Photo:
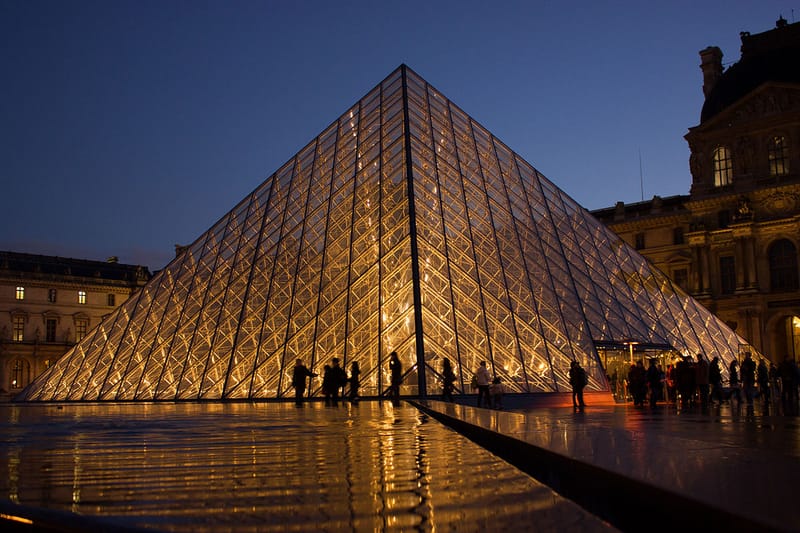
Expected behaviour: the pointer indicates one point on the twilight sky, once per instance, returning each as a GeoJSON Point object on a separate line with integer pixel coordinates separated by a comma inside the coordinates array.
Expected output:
{"type": "Point", "coordinates": [127, 127]}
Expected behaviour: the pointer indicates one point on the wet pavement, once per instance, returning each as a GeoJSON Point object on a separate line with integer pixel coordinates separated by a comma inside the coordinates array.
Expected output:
{"type": "Point", "coordinates": [263, 467]}
{"type": "Point", "coordinates": [721, 466]}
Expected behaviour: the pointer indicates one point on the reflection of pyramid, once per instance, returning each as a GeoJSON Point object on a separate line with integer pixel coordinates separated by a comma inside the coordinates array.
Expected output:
{"type": "Point", "coordinates": [404, 226]}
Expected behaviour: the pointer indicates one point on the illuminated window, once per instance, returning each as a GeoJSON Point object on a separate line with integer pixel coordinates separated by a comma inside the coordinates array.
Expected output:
{"type": "Point", "coordinates": [727, 275]}
{"type": "Point", "coordinates": [81, 326]}
{"type": "Point", "coordinates": [50, 330]}
{"type": "Point", "coordinates": [778, 154]}
{"type": "Point", "coordinates": [783, 266]}
{"type": "Point", "coordinates": [51, 296]}
{"type": "Point", "coordinates": [723, 167]}
{"type": "Point", "coordinates": [18, 328]}
{"type": "Point", "coordinates": [19, 374]}
{"type": "Point", "coordinates": [81, 297]}
{"type": "Point", "coordinates": [112, 301]}
{"type": "Point", "coordinates": [20, 293]}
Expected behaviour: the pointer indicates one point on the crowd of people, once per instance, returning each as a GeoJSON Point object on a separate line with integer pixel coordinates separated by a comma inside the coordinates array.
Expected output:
{"type": "Point", "coordinates": [696, 381]}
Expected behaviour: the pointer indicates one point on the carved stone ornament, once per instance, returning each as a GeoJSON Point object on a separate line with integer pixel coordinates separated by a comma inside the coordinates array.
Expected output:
{"type": "Point", "coordinates": [781, 203]}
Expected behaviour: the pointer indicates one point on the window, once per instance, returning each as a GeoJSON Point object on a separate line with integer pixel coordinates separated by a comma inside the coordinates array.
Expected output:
{"type": "Point", "coordinates": [81, 326]}
{"type": "Point", "coordinates": [783, 266]}
{"type": "Point", "coordinates": [677, 235]}
{"type": "Point", "coordinates": [19, 373]}
{"type": "Point", "coordinates": [727, 275]}
{"type": "Point", "coordinates": [723, 167]}
{"type": "Point", "coordinates": [639, 241]}
{"type": "Point", "coordinates": [681, 277]}
{"type": "Point", "coordinates": [51, 296]}
{"type": "Point", "coordinates": [111, 300]}
{"type": "Point", "coordinates": [50, 330]}
{"type": "Point", "coordinates": [20, 293]}
{"type": "Point", "coordinates": [18, 328]}
{"type": "Point", "coordinates": [778, 155]}
{"type": "Point", "coordinates": [81, 297]}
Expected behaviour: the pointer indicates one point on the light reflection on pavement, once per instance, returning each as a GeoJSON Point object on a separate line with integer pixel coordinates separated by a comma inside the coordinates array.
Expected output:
{"type": "Point", "coordinates": [268, 467]}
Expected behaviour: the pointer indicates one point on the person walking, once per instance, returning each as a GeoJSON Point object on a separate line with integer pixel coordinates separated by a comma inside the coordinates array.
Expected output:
{"type": "Point", "coordinates": [299, 375]}
{"type": "Point", "coordinates": [577, 380]}
{"type": "Point", "coordinates": [482, 379]}
{"type": "Point", "coordinates": [355, 381]}
{"type": "Point", "coordinates": [396, 373]}
{"type": "Point", "coordinates": [448, 380]}
{"type": "Point", "coordinates": [763, 380]}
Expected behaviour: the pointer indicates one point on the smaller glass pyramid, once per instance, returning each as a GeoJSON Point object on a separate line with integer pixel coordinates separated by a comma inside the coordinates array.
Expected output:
{"type": "Point", "coordinates": [404, 226]}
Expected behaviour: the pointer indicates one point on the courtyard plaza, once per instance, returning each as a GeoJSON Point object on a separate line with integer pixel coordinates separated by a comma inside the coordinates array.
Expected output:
{"type": "Point", "coordinates": [419, 465]}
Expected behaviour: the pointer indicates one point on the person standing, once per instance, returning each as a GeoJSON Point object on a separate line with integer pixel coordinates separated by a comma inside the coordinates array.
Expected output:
{"type": "Point", "coordinates": [338, 380]}
{"type": "Point", "coordinates": [299, 376]}
{"type": "Point", "coordinates": [748, 371]}
{"type": "Point", "coordinates": [482, 379]}
{"type": "Point", "coordinates": [577, 380]}
{"type": "Point", "coordinates": [396, 373]}
{"type": "Point", "coordinates": [355, 381]}
{"type": "Point", "coordinates": [448, 380]}
{"type": "Point", "coordinates": [702, 378]}
{"type": "Point", "coordinates": [653, 376]}
{"type": "Point", "coordinates": [733, 381]}
{"type": "Point", "coordinates": [763, 380]}
{"type": "Point", "coordinates": [715, 379]}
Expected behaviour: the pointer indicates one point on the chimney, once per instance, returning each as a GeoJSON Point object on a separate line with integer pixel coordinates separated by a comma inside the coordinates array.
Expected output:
{"type": "Point", "coordinates": [711, 65]}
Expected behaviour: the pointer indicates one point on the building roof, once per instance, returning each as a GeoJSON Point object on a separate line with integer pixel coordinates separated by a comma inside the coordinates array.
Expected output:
{"type": "Point", "coordinates": [47, 266]}
{"type": "Point", "coordinates": [771, 56]}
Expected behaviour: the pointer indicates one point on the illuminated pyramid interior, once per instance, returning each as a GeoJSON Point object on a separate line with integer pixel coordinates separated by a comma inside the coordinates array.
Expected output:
{"type": "Point", "coordinates": [403, 226]}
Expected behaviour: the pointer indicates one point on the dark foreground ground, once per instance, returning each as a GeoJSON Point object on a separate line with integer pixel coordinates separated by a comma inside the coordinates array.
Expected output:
{"type": "Point", "coordinates": [374, 466]}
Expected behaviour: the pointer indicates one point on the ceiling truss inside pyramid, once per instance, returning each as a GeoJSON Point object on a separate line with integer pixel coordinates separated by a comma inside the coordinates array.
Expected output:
{"type": "Point", "coordinates": [404, 226]}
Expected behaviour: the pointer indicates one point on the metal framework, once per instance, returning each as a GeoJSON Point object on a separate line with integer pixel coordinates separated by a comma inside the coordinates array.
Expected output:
{"type": "Point", "coordinates": [404, 226]}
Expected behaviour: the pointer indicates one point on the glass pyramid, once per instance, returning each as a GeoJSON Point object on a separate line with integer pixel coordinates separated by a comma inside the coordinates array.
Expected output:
{"type": "Point", "coordinates": [404, 226]}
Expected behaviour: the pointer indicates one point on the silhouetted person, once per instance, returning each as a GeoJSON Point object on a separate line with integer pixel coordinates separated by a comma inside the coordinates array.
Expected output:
{"type": "Point", "coordinates": [748, 372]}
{"type": "Point", "coordinates": [733, 381]}
{"type": "Point", "coordinates": [763, 380]}
{"type": "Point", "coordinates": [687, 382]}
{"type": "Point", "coordinates": [637, 383]}
{"type": "Point", "coordinates": [715, 379]}
{"type": "Point", "coordinates": [482, 379]}
{"type": "Point", "coordinates": [701, 372]}
{"type": "Point", "coordinates": [577, 380]}
{"type": "Point", "coordinates": [338, 380]}
{"type": "Point", "coordinates": [448, 380]}
{"type": "Point", "coordinates": [299, 376]}
{"type": "Point", "coordinates": [788, 373]}
{"type": "Point", "coordinates": [654, 382]}
{"type": "Point", "coordinates": [396, 373]}
{"type": "Point", "coordinates": [355, 381]}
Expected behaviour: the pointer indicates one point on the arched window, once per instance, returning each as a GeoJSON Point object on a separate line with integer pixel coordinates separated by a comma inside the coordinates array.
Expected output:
{"type": "Point", "coordinates": [778, 155]}
{"type": "Point", "coordinates": [723, 167]}
{"type": "Point", "coordinates": [783, 266]}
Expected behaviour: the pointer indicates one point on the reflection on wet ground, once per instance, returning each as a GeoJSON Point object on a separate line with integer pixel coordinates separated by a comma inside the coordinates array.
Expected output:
{"type": "Point", "coordinates": [268, 467]}
{"type": "Point", "coordinates": [744, 462]}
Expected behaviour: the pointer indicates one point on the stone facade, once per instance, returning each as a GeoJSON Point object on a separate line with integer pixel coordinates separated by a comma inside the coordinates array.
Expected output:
{"type": "Point", "coordinates": [48, 303]}
{"type": "Point", "coordinates": [733, 242]}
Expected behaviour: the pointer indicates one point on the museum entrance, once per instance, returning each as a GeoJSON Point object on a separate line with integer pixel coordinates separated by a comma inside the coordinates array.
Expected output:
{"type": "Point", "coordinates": [617, 358]}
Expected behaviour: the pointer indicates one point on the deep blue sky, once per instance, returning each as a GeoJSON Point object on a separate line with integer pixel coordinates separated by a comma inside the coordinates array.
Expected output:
{"type": "Point", "coordinates": [129, 126]}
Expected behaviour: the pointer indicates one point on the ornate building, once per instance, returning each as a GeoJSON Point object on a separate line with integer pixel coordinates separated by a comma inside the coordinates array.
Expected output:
{"type": "Point", "coordinates": [732, 243]}
{"type": "Point", "coordinates": [48, 304]}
